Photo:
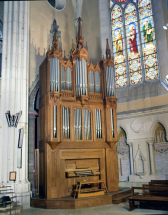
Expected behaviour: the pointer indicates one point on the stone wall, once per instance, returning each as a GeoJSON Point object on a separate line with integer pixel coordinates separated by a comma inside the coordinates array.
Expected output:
{"type": "Point", "coordinates": [42, 15]}
{"type": "Point", "coordinates": [41, 19]}
{"type": "Point", "coordinates": [141, 106]}
{"type": "Point", "coordinates": [91, 28]}
{"type": "Point", "coordinates": [161, 164]}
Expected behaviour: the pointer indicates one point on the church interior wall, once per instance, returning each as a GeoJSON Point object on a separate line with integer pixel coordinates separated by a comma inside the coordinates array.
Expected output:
{"type": "Point", "coordinates": [41, 19]}
{"type": "Point", "coordinates": [147, 89]}
{"type": "Point", "coordinates": [1, 19]}
{"type": "Point", "coordinates": [161, 163]}
{"type": "Point", "coordinates": [91, 28]}
{"type": "Point", "coordinates": [1, 10]}
{"type": "Point", "coordinates": [139, 106]}
{"type": "Point", "coordinates": [42, 15]}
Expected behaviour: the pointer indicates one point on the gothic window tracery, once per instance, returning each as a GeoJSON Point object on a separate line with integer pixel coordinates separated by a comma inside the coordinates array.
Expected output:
{"type": "Point", "coordinates": [133, 42]}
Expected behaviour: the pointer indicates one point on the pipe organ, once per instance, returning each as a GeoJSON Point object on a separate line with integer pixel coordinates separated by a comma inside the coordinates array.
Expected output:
{"type": "Point", "coordinates": [78, 130]}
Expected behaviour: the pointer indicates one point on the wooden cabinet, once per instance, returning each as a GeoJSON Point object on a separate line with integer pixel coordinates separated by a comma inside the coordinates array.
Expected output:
{"type": "Point", "coordinates": [78, 130]}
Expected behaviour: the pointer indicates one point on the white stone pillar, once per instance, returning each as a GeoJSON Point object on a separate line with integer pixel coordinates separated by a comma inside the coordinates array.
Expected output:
{"type": "Point", "coordinates": [151, 158]}
{"type": "Point", "coordinates": [14, 96]}
{"type": "Point", "coordinates": [131, 158]}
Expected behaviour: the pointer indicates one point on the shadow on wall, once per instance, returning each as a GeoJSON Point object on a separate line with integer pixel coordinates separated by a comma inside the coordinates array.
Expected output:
{"type": "Point", "coordinates": [37, 55]}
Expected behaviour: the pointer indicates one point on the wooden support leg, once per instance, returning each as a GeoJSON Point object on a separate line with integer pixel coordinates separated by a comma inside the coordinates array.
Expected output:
{"type": "Point", "coordinates": [131, 205]}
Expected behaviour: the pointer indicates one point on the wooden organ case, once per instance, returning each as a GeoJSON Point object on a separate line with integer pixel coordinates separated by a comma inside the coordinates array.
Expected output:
{"type": "Point", "coordinates": [78, 130]}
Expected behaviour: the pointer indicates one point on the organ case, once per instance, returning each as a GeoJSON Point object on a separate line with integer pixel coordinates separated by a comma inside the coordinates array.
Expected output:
{"type": "Point", "coordinates": [78, 130]}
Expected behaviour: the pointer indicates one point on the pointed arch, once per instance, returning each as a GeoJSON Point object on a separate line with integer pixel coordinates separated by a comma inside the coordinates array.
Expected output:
{"type": "Point", "coordinates": [160, 133]}
{"type": "Point", "coordinates": [154, 127]}
{"type": "Point", "coordinates": [122, 133]}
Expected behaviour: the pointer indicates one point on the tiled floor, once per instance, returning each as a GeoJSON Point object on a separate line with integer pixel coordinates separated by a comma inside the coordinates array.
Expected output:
{"type": "Point", "coordinates": [121, 209]}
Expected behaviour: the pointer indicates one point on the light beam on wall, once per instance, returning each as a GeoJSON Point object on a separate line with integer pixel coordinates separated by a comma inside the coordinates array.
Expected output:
{"type": "Point", "coordinates": [165, 27]}
{"type": "Point", "coordinates": [165, 83]}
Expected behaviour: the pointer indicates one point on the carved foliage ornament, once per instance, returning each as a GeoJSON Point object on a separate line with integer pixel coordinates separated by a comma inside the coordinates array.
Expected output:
{"type": "Point", "coordinates": [122, 147]}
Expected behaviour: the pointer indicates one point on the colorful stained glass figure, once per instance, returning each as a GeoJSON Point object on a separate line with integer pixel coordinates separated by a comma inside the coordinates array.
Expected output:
{"type": "Point", "coordinates": [118, 46]}
{"type": "Point", "coordinates": [111, 3]}
{"type": "Point", "coordinates": [133, 44]}
{"type": "Point", "coordinates": [121, 0]}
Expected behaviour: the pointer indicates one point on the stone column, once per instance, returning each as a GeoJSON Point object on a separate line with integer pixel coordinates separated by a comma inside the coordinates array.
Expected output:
{"type": "Point", "coordinates": [151, 158]}
{"type": "Point", "coordinates": [14, 96]}
{"type": "Point", "coordinates": [131, 158]}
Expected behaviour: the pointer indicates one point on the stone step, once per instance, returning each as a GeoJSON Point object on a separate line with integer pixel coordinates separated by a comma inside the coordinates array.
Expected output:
{"type": "Point", "coordinates": [120, 199]}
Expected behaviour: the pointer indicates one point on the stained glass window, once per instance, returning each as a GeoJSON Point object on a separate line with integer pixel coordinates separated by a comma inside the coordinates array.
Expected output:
{"type": "Point", "coordinates": [121, 0]}
{"type": "Point", "coordinates": [133, 41]}
{"type": "Point", "coordinates": [118, 47]}
{"type": "Point", "coordinates": [148, 40]}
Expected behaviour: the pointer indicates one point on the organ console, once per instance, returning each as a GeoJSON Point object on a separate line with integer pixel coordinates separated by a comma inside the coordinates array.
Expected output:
{"type": "Point", "coordinates": [78, 130]}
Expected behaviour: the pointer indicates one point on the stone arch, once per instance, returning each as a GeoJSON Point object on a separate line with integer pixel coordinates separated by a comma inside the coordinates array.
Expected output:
{"type": "Point", "coordinates": [122, 132]}
{"type": "Point", "coordinates": [153, 128]}
{"type": "Point", "coordinates": [123, 128]}
{"type": "Point", "coordinates": [123, 155]}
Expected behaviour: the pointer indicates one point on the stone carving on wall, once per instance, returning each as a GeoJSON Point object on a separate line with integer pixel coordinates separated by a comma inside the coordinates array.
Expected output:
{"type": "Point", "coordinates": [139, 163]}
{"type": "Point", "coordinates": [160, 145]}
{"type": "Point", "coordinates": [123, 156]}
{"type": "Point", "coordinates": [122, 147]}
{"type": "Point", "coordinates": [137, 125]}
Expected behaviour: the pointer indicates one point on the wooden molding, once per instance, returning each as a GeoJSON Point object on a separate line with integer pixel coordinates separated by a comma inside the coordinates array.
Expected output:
{"type": "Point", "coordinates": [53, 144]}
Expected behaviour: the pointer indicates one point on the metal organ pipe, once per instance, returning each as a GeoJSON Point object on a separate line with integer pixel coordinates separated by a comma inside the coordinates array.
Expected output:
{"type": "Point", "coordinates": [98, 123]}
{"type": "Point", "coordinates": [109, 81]}
{"type": "Point", "coordinates": [85, 72]}
{"type": "Point", "coordinates": [97, 82]}
{"type": "Point", "coordinates": [91, 81]}
{"type": "Point", "coordinates": [77, 124]}
{"type": "Point", "coordinates": [80, 125]}
{"type": "Point", "coordinates": [68, 127]}
{"type": "Point", "coordinates": [81, 77]}
{"type": "Point", "coordinates": [112, 123]}
{"type": "Point", "coordinates": [68, 79]}
{"type": "Point", "coordinates": [86, 124]}
{"type": "Point", "coordinates": [62, 78]}
{"type": "Point", "coordinates": [77, 76]}
{"type": "Point", "coordinates": [65, 123]}
{"type": "Point", "coordinates": [51, 75]}
{"type": "Point", "coordinates": [55, 121]}
{"type": "Point", "coordinates": [54, 74]}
